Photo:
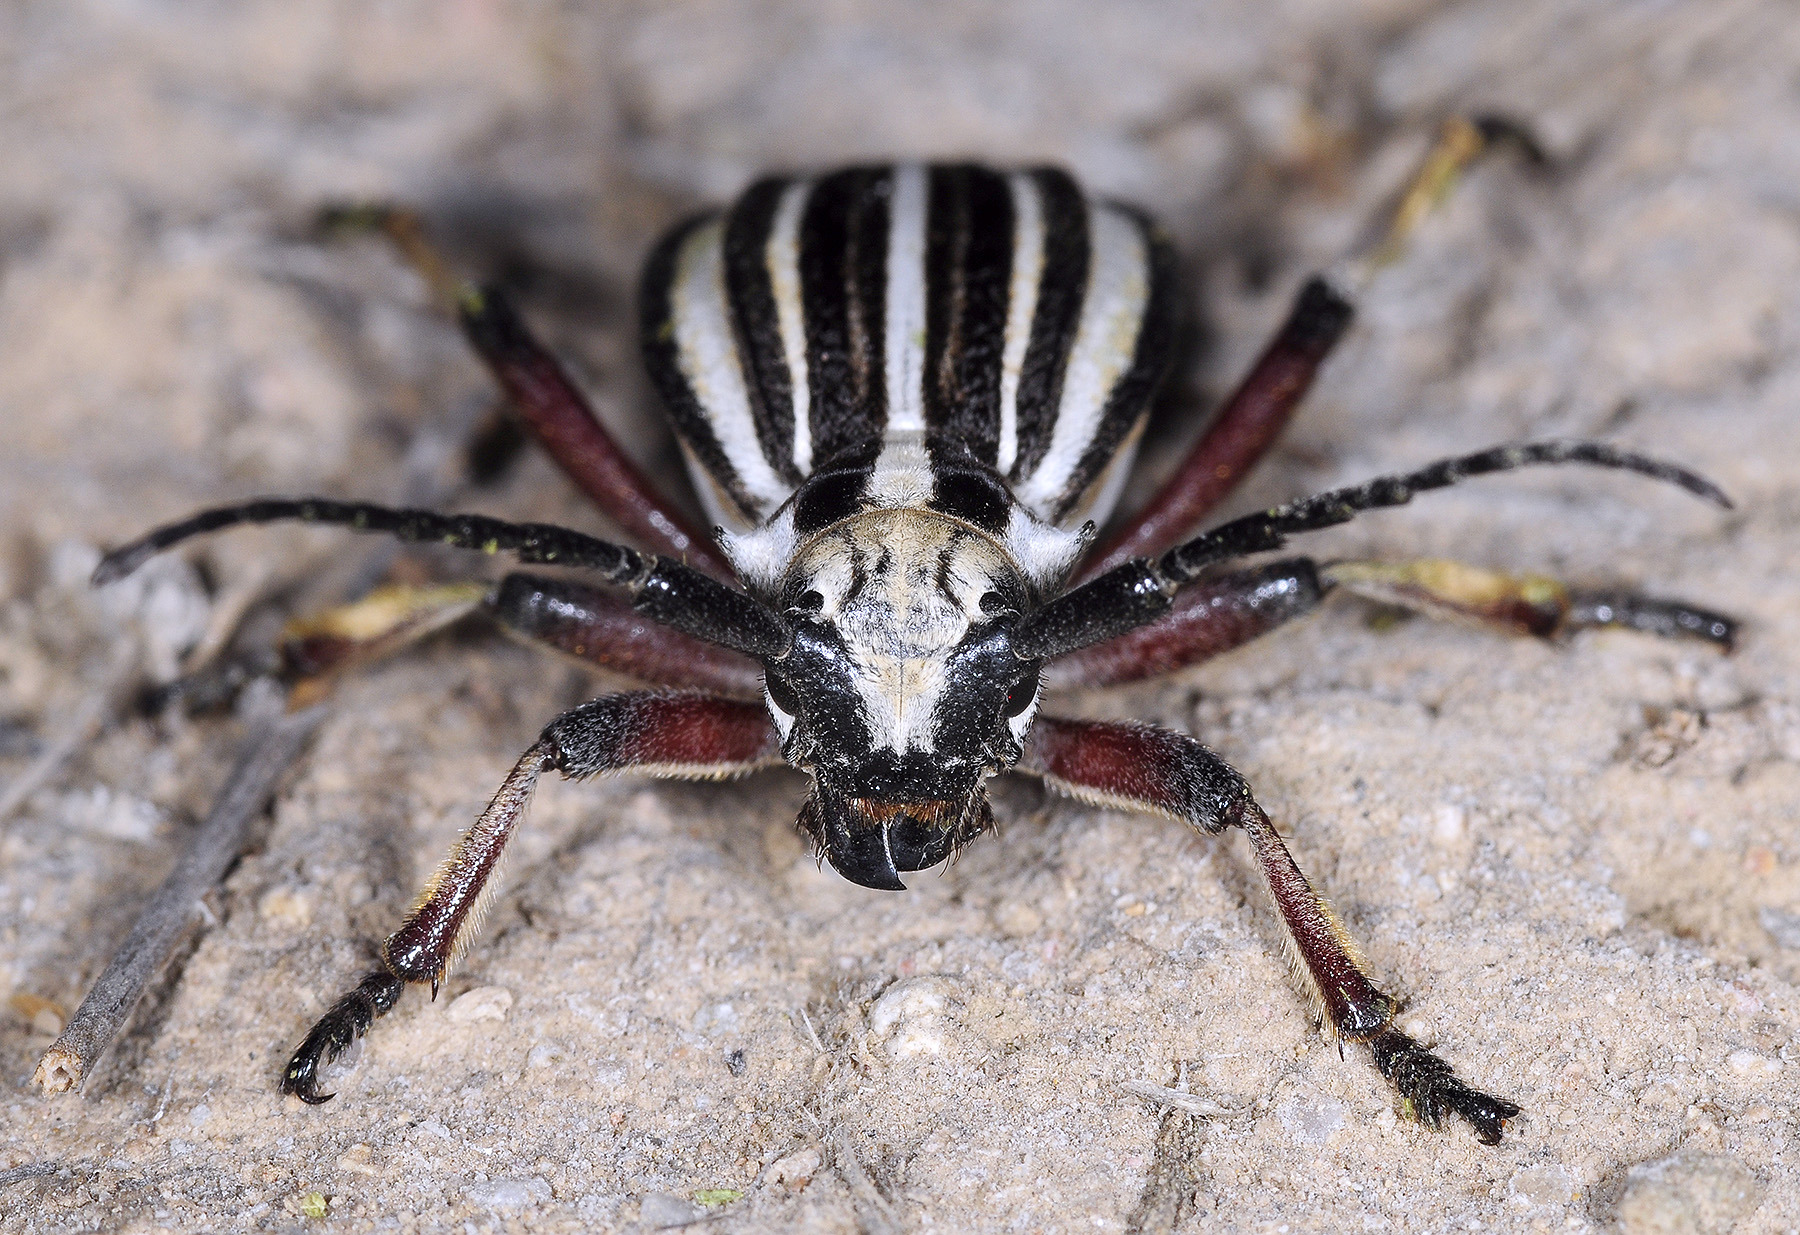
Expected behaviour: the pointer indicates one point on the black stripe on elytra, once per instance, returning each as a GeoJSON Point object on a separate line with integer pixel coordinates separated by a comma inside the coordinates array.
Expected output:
{"type": "Point", "coordinates": [843, 281]}
{"type": "Point", "coordinates": [1061, 289]}
{"type": "Point", "coordinates": [965, 487]}
{"type": "Point", "coordinates": [1136, 388]}
{"type": "Point", "coordinates": [756, 325]}
{"type": "Point", "coordinates": [835, 489]}
{"type": "Point", "coordinates": [656, 326]}
{"type": "Point", "coordinates": [968, 265]}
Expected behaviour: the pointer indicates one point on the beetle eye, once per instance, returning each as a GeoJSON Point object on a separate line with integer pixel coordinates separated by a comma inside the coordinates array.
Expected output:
{"type": "Point", "coordinates": [809, 601]}
{"type": "Point", "coordinates": [781, 694]}
{"type": "Point", "coordinates": [1020, 696]}
{"type": "Point", "coordinates": [993, 602]}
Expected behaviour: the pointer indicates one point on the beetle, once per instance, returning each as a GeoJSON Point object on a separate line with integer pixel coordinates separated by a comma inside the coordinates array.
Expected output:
{"type": "Point", "coordinates": [907, 396]}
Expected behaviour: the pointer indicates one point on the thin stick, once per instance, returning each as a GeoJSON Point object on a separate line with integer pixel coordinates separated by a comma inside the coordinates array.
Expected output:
{"type": "Point", "coordinates": [170, 913]}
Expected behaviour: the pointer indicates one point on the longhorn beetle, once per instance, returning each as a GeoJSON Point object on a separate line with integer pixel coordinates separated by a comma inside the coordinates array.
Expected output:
{"type": "Point", "coordinates": [907, 396]}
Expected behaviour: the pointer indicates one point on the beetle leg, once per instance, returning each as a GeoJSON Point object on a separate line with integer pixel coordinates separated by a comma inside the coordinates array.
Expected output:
{"type": "Point", "coordinates": [589, 623]}
{"type": "Point", "coordinates": [602, 628]}
{"type": "Point", "coordinates": [685, 736]}
{"type": "Point", "coordinates": [318, 649]}
{"type": "Point", "coordinates": [546, 399]}
{"type": "Point", "coordinates": [561, 418]}
{"type": "Point", "coordinates": [1138, 767]}
{"type": "Point", "coordinates": [1254, 415]}
{"type": "Point", "coordinates": [1521, 604]}
{"type": "Point", "coordinates": [1218, 614]}
{"type": "Point", "coordinates": [1208, 619]}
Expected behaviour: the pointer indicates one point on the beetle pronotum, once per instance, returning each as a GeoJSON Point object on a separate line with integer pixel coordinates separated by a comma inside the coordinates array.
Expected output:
{"type": "Point", "coordinates": [907, 396]}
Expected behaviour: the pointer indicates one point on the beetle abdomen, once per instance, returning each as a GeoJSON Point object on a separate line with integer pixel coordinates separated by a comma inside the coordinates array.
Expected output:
{"type": "Point", "coordinates": [1005, 314]}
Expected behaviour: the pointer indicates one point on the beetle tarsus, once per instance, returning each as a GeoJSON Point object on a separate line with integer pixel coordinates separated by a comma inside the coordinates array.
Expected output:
{"type": "Point", "coordinates": [348, 1020]}
{"type": "Point", "coordinates": [1432, 1089]}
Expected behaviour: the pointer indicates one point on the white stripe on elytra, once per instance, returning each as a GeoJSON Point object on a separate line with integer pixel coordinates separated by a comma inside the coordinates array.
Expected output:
{"type": "Point", "coordinates": [783, 257]}
{"type": "Point", "coordinates": [904, 316]}
{"type": "Point", "coordinates": [1112, 313]}
{"type": "Point", "coordinates": [1021, 306]}
{"type": "Point", "coordinates": [706, 351]}
{"type": "Point", "coordinates": [902, 475]}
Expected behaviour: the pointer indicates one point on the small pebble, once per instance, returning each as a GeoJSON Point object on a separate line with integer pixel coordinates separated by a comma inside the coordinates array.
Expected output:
{"type": "Point", "coordinates": [509, 1193]}
{"type": "Point", "coordinates": [910, 1019]}
{"type": "Point", "coordinates": [357, 1160]}
{"type": "Point", "coordinates": [1016, 918]}
{"type": "Point", "coordinates": [794, 1171]}
{"type": "Point", "coordinates": [1545, 1184]}
{"type": "Point", "coordinates": [1749, 1063]}
{"type": "Point", "coordinates": [1310, 1117]}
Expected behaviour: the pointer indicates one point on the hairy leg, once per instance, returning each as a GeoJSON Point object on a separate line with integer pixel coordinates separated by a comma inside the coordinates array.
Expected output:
{"type": "Point", "coordinates": [1219, 614]}
{"type": "Point", "coordinates": [688, 736]}
{"type": "Point", "coordinates": [1254, 415]}
{"type": "Point", "coordinates": [1138, 767]}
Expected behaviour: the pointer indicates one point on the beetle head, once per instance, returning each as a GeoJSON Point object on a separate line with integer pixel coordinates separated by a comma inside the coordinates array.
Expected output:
{"type": "Point", "coordinates": [900, 693]}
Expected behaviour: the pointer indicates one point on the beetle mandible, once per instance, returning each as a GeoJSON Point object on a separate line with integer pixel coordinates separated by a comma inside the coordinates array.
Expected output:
{"type": "Point", "coordinates": [908, 395]}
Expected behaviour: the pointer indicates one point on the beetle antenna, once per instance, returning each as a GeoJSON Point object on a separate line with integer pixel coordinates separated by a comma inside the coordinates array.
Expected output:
{"type": "Point", "coordinates": [532, 542]}
{"type": "Point", "coordinates": [1140, 591]}
{"type": "Point", "coordinates": [662, 589]}
{"type": "Point", "coordinates": [1271, 528]}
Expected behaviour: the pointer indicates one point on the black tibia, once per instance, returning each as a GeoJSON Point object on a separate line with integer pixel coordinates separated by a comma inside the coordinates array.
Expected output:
{"type": "Point", "coordinates": [1672, 619]}
{"type": "Point", "coordinates": [348, 1020]}
{"type": "Point", "coordinates": [657, 734]}
{"type": "Point", "coordinates": [661, 588]}
{"type": "Point", "coordinates": [1140, 591]}
{"type": "Point", "coordinates": [1431, 1090]}
{"type": "Point", "coordinates": [603, 628]}
{"type": "Point", "coordinates": [1171, 774]}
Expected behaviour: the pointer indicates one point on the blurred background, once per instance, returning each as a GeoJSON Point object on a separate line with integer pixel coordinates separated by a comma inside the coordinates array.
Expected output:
{"type": "Point", "coordinates": [1580, 863]}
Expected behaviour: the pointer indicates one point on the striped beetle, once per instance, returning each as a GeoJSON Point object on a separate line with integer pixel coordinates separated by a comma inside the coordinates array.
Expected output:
{"type": "Point", "coordinates": [907, 396]}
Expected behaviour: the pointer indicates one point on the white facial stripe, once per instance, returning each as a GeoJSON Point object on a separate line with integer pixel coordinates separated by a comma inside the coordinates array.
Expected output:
{"type": "Point", "coordinates": [1105, 346]}
{"type": "Point", "coordinates": [783, 257]}
{"type": "Point", "coordinates": [707, 354]}
{"type": "Point", "coordinates": [1021, 307]}
{"type": "Point", "coordinates": [905, 306]}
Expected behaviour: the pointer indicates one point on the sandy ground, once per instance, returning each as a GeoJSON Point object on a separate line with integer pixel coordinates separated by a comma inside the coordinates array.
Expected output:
{"type": "Point", "coordinates": [1578, 863]}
